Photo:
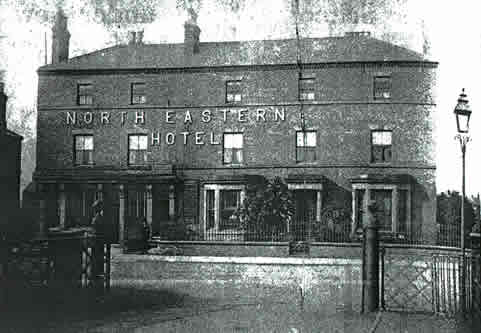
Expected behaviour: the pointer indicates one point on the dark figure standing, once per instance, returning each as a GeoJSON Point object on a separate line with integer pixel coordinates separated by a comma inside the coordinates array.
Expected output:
{"type": "Point", "coordinates": [145, 236]}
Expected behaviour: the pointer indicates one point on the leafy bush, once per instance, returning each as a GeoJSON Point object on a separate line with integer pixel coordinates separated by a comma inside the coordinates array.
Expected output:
{"type": "Point", "coordinates": [267, 210]}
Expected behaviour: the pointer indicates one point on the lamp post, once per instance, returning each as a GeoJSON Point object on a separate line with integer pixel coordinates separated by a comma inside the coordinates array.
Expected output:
{"type": "Point", "coordinates": [463, 113]}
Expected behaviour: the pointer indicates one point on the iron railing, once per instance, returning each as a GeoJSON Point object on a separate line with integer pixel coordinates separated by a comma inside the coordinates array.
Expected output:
{"type": "Point", "coordinates": [309, 231]}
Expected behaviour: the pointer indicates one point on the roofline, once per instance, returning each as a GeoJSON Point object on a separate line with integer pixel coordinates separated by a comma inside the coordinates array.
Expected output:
{"type": "Point", "coordinates": [12, 133]}
{"type": "Point", "coordinates": [81, 71]}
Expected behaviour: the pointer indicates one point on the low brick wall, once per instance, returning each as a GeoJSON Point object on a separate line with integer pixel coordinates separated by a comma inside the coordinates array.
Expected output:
{"type": "Point", "coordinates": [335, 282]}
{"type": "Point", "coordinates": [340, 250]}
{"type": "Point", "coordinates": [228, 249]}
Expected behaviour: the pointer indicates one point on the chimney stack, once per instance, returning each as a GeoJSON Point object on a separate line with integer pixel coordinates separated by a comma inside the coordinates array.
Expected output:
{"type": "Point", "coordinates": [135, 37]}
{"type": "Point", "coordinates": [3, 108]}
{"type": "Point", "coordinates": [191, 35]}
{"type": "Point", "coordinates": [60, 38]}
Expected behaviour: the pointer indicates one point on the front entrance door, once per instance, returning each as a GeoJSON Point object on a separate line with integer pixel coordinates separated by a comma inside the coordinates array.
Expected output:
{"type": "Point", "coordinates": [305, 204]}
{"type": "Point", "coordinates": [136, 214]}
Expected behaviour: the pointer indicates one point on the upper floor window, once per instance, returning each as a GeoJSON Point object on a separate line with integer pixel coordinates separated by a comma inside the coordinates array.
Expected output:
{"type": "Point", "coordinates": [233, 146]}
{"type": "Point", "coordinates": [84, 149]}
{"type": "Point", "coordinates": [137, 149]}
{"type": "Point", "coordinates": [306, 88]}
{"type": "Point", "coordinates": [381, 146]}
{"type": "Point", "coordinates": [382, 87]}
{"type": "Point", "coordinates": [233, 91]}
{"type": "Point", "coordinates": [85, 94]}
{"type": "Point", "coordinates": [137, 93]}
{"type": "Point", "coordinates": [306, 142]}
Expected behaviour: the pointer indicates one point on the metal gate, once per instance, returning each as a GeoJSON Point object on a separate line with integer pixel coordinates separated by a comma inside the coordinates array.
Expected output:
{"type": "Point", "coordinates": [422, 280]}
{"type": "Point", "coordinates": [64, 261]}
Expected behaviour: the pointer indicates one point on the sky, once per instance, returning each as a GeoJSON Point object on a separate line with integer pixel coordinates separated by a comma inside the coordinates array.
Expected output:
{"type": "Point", "coordinates": [453, 29]}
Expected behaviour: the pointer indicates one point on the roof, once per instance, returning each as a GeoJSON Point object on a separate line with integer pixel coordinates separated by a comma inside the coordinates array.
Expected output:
{"type": "Point", "coordinates": [349, 48]}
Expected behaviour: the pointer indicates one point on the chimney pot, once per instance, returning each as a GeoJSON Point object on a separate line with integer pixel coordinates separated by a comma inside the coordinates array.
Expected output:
{"type": "Point", "coordinates": [191, 38]}
{"type": "Point", "coordinates": [140, 37]}
{"type": "Point", "coordinates": [357, 34]}
{"type": "Point", "coordinates": [131, 36]}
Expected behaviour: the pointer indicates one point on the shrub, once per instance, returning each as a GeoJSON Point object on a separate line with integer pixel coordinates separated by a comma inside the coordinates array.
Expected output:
{"type": "Point", "coordinates": [267, 210]}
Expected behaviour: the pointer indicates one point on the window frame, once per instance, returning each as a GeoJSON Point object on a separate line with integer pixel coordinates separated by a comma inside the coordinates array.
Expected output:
{"type": "Point", "coordinates": [382, 146]}
{"type": "Point", "coordinates": [306, 89]}
{"type": "Point", "coordinates": [305, 147]}
{"type": "Point", "coordinates": [395, 203]}
{"type": "Point", "coordinates": [217, 189]}
{"type": "Point", "coordinates": [234, 92]}
{"type": "Point", "coordinates": [75, 150]}
{"type": "Point", "coordinates": [137, 150]}
{"type": "Point", "coordinates": [85, 95]}
{"type": "Point", "coordinates": [224, 148]}
{"type": "Point", "coordinates": [142, 94]}
{"type": "Point", "coordinates": [379, 87]}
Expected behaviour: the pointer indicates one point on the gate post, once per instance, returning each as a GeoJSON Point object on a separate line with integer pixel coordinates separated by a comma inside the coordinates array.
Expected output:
{"type": "Point", "coordinates": [371, 258]}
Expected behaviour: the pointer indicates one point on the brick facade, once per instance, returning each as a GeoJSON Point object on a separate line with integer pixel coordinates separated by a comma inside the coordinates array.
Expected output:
{"type": "Point", "coordinates": [187, 104]}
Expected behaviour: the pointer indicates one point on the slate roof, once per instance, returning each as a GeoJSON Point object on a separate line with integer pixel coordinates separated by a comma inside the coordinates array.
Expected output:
{"type": "Point", "coordinates": [241, 53]}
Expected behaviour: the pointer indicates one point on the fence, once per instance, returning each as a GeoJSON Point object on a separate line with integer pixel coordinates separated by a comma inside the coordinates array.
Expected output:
{"type": "Point", "coordinates": [305, 230]}
{"type": "Point", "coordinates": [428, 280]}
{"type": "Point", "coordinates": [60, 262]}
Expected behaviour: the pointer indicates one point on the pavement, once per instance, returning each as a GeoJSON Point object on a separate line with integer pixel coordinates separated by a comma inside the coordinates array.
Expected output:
{"type": "Point", "coordinates": [193, 306]}
{"type": "Point", "coordinates": [146, 308]}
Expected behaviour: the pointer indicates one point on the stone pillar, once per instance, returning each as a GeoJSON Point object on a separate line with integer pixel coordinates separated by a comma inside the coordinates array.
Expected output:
{"type": "Point", "coordinates": [319, 206]}
{"type": "Point", "coordinates": [62, 200]}
{"type": "Point", "coordinates": [148, 189]}
{"type": "Point", "coordinates": [122, 215]}
{"type": "Point", "coordinates": [394, 208]}
{"type": "Point", "coordinates": [171, 203]}
{"type": "Point", "coordinates": [371, 266]}
{"type": "Point", "coordinates": [99, 195]}
{"type": "Point", "coordinates": [217, 209]}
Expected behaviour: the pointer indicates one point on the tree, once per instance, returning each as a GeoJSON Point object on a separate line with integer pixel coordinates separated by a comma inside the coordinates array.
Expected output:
{"type": "Point", "coordinates": [448, 217]}
{"type": "Point", "coordinates": [267, 210]}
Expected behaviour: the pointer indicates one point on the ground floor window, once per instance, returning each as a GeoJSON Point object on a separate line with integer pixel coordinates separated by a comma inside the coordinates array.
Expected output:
{"type": "Point", "coordinates": [393, 203]}
{"type": "Point", "coordinates": [221, 202]}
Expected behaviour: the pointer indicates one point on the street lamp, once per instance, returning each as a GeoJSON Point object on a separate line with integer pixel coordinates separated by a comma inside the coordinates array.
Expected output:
{"type": "Point", "coordinates": [463, 113]}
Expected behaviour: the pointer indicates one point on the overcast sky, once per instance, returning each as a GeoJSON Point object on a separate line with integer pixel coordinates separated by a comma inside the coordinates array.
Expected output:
{"type": "Point", "coordinates": [453, 28]}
